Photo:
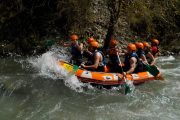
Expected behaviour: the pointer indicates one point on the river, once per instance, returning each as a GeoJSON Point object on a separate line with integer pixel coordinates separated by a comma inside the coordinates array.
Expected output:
{"type": "Point", "coordinates": [34, 88]}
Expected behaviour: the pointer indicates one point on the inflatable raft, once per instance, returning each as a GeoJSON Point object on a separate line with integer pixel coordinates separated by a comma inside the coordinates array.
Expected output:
{"type": "Point", "coordinates": [102, 78]}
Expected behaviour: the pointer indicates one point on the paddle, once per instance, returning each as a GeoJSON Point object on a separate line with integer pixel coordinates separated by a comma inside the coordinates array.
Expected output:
{"type": "Point", "coordinates": [128, 84]}
{"type": "Point", "coordinates": [72, 69]}
{"type": "Point", "coordinates": [75, 68]}
{"type": "Point", "coordinates": [151, 69]}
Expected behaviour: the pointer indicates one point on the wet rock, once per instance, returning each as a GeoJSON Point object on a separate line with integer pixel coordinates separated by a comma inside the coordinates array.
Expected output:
{"type": "Point", "coordinates": [7, 48]}
{"type": "Point", "coordinates": [176, 50]}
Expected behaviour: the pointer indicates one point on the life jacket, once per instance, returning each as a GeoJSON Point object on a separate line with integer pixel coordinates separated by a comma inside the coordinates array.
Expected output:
{"type": "Point", "coordinates": [140, 52]}
{"type": "Point", "coordinates": [101, 66]}
{"type": "Point", "coordinates": [75, 52]}
{"type": "Point", "coordinates": [146, 51]}
{"type": "Point", "coordinates": [113, 55]}
{"type": "Point", "coordinates": [139, 64]}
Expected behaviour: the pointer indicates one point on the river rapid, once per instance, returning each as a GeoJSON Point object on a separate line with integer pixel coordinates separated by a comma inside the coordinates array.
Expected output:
{"type": "Point", "coordinates": [34, 88]}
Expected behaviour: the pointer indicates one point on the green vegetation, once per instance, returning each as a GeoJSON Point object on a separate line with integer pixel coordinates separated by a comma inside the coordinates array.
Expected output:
{"type": "Point", "coordinates": [157, 17]}
{"type": "Point", "coordinates": [25, 25]}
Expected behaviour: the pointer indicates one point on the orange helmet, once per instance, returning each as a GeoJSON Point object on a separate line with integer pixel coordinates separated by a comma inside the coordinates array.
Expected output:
{"type": "Point", "coordinates": [139, 45]}
{"type": "Point", "coordinates": [89, 40]}
{"type": "Point", "coordinates": [74, 37]}
{"type": "Point", "coordinates": [155, 41]}
{"type": "Point", "coordinates": [146, 44]}
{"type": "Point", "coordinates": [136, 43]}
{"type": "Point", "coordinates": [94, 44]}
{"type": "Point", "coordinates": [113, 42]}
{"type": "Point", "coordinates": [131, 47]}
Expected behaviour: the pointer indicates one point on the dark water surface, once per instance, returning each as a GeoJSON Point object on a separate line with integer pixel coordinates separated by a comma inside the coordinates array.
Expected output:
{"type": "Point", "coordinates": [35, 89]}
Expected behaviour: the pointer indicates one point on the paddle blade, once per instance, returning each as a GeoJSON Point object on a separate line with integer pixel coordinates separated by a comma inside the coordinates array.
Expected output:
{"type": "Point", "coordinates": [71, 69]}
{"type": "Point", "coordinates": [152, 69]}
{"type": "Point", "coordinates": [128, 87]}
{"type": "Point", "coordinates": [75, 68]}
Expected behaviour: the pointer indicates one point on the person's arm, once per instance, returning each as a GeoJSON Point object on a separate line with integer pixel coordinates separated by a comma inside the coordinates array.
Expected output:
{"type": "Point", "coordinates": [80, 46]}
{"type": "Point", "coordinates": [133, 62]}
{"type": "Point", "coordinates": [117, 50]}
{"type": "Point", "coordinates": [64, 44]}
{"type": "Point", "coordinates": [122, 52]}
{"type": "Point", "coordinates": [151, 57]}
{"type": "Point", "coordinates": [88, 52]}
{"type": "Point", "coordinates": [96, 63]}
{"type": "Point", "coordinates": [143, 57]}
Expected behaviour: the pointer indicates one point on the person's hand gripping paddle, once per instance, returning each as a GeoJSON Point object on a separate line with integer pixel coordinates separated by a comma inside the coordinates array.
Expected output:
{"type": "Point", "coordinates": [129, 87]}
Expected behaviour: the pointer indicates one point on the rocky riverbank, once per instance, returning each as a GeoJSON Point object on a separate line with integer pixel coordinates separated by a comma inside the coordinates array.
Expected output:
{"type": "Point", "coordinates": [31, 27]}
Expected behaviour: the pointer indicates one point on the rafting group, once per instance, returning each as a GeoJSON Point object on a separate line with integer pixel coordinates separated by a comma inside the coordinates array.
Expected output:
{"type": "Point", "coordinates": [136, 56]}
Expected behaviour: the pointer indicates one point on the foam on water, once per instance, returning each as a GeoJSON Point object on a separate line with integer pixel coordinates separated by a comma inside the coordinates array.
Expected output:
{"type": "Point", "coordinates": [154, 100]}
{"type": "Point", "coordinates": [170, 94]}
{"type": "Point", "coordinates": [166, 59]}
{"type": "Point", "coordinates": [157, 103]}
{"type": "Point", "coordinates": [47, 66]}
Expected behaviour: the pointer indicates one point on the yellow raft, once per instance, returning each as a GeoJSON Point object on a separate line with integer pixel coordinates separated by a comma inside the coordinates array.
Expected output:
{"type": "Point", "coordinates": [102, 78]}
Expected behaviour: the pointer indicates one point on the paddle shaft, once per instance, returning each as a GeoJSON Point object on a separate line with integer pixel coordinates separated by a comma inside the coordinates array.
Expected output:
{"type": "Point", "coordinates": [127, 85]}
{"type": "Point", "coordinates": [124, 76]}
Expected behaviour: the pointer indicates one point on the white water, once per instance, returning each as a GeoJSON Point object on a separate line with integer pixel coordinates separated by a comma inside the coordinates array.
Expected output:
{"type": "Point", "coordinates": [48, 66]}
{"type": "Point", "coordinates": [38, 91]}
{"type": "Point", "coordinates": [166, 59]}
{"type": "Point", "coordinates": [147, 102]}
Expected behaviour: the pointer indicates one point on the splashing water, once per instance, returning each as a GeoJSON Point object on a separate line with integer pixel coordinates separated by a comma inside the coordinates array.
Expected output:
{"type": "Point", "coordinates": [36, 92]}
{"type": "Point", "coordinates": [166, 59]}
{"type": "Point", "coordinates": [168, 62]}
{"type": "Point", "coordinates": [47, 64]}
